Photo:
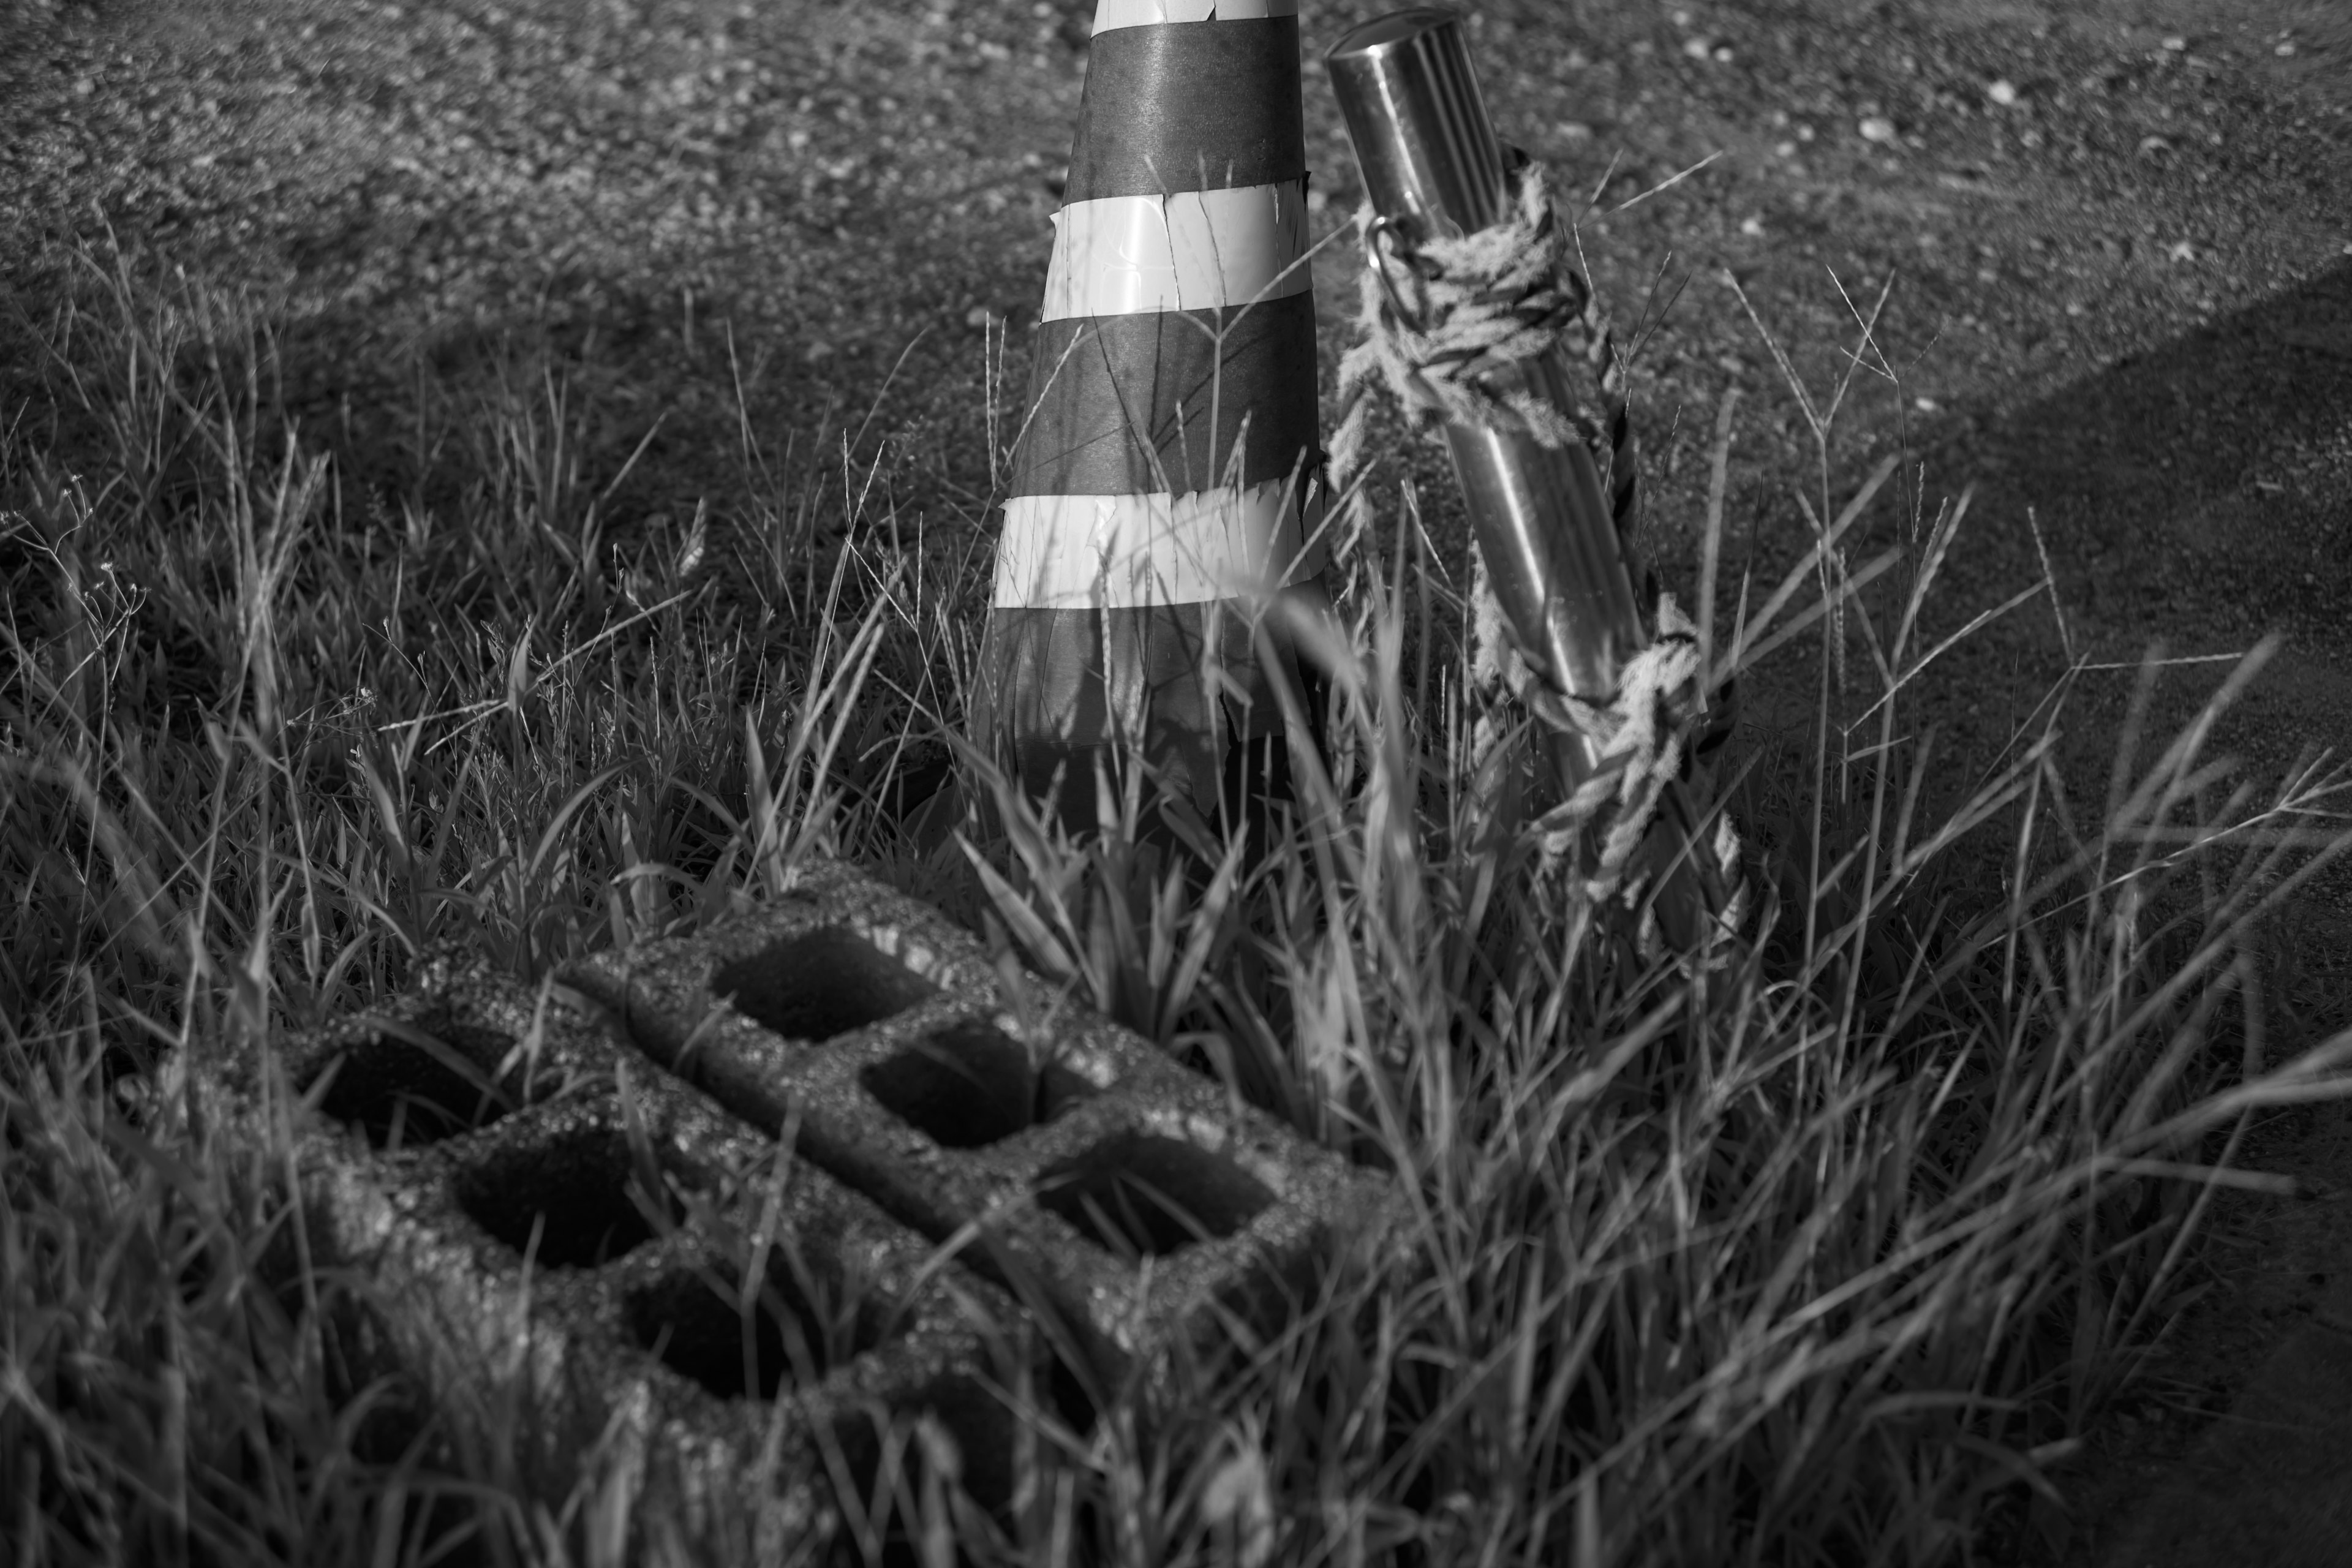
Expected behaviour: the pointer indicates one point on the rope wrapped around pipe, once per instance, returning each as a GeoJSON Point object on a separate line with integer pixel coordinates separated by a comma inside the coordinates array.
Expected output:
{"type": "Point", "coordinates": [1466, 307]}
{"type": "Point", "coordinates": [1439, 319]}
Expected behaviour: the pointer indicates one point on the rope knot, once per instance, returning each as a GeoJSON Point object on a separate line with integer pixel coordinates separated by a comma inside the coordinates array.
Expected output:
{"type": "Point", "coordinates": [1445, 321]}
{"type": "Point", "coordinates": [1446, 324]}
{"type": "Point", "coordinates": [1644, 727]}
{"type": "Point", "coordinates": [1444, 317]}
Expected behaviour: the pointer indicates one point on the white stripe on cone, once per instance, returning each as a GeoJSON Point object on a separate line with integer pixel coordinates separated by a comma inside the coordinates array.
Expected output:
{"type": "Point", "coordinates": [1111, 14]}
{"type": "Point", "coordinates": [1192, 250]}
{"type": "Point", "coordinates": [1137, 551]}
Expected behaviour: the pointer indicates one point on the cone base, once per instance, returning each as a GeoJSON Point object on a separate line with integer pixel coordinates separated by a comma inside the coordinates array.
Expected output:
{"type": "Point", "coordinates": [1064, 695]}
{"type": "Point", "coordinates": [1065, 782]}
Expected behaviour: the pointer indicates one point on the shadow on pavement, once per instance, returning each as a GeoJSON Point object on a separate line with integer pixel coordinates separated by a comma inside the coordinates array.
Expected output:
{"type": "Point", "coordinates": [2197, 495]}
{"type": "Point", "coordinates": [2200, 495]}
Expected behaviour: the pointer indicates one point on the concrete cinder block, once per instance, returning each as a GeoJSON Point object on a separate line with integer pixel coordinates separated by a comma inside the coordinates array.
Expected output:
{"type": "Point", "coordinates": [1066, 1158]}
{"type": "Point", "coordinates": [558, 1240]}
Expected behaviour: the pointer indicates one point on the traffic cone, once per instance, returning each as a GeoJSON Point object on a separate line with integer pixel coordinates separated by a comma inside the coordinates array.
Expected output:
{"type": "Point", "coordinates": [1163, 487]}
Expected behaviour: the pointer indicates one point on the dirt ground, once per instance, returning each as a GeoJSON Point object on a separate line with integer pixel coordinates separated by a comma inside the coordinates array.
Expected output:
{"type": "Point", "coordinates": [2118, 231]}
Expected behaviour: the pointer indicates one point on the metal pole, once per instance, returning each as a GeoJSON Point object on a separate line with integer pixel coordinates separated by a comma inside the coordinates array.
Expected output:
{"type": "Point", "coordinates": [1433, 166]}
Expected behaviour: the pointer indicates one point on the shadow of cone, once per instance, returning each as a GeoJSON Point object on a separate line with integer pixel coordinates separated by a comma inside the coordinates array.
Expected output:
{"type": "Point", "coordinates": [1162, 495]}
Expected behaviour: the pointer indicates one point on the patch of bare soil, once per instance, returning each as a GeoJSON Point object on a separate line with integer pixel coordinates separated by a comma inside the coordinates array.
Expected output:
{"type": "Point", "coordinates": [2227, 1451]}
{"type": "Point", "coordinates": [801, 243]}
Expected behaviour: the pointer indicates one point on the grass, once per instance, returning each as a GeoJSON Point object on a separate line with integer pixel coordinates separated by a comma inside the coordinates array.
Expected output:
{"type": "Point", "coordinates": [1829, 1255]}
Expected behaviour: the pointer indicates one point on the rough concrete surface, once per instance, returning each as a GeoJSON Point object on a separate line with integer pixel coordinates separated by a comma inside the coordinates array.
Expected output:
{"type": "Point", "coordinates": [559, 1231]}
{"type": "Point", "coordinates": [1077, 1164]}
{"type": "Point", "coordinates": [558, 1245]}
{"type": "Point", "coordinates": [2120, 290]}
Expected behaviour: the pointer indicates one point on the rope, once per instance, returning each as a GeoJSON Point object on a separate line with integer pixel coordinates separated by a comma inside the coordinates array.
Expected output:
{"type": "Point", "coordinates": [1645, 726]}
{"type": "Point", "coordinates": [1439, 320]}
{"type": "Point", "coordinates": [1472, 306]}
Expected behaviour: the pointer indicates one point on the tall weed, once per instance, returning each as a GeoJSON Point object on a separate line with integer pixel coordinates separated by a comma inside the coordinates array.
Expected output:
{"type": "Point", "coordinates": [1824, 1254]}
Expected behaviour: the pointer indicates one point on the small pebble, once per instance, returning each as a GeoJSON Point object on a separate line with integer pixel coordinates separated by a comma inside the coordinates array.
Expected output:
{"type": "Point", "coordinates": [1697, 49]}
{"type": "Point", "coordinates": [1723, 54]}
{"type": "Point", "coordinates": [1785, 150]}
{"type": "Point", "coordinates": [2077, 308]}
{"type": "Point", "coordinates": [1924, 405]}
{"type": "Point", "coordinates": [2284, 49]}
{"type": "Point", "coordinates": [819, 352]}
{"type": "Point", "coordinates": [84, 87]}
{"type": "Point", "coordinates": [2176, 43]}
{"type": "Point", "coordinates": [2004, 93]}
{"type": "Point", "coordinates": [2181, 250]}
{"type": "Point", "coordinates": [1753, 227]}
{"type": "Point", "coordinates": [1878, 129]}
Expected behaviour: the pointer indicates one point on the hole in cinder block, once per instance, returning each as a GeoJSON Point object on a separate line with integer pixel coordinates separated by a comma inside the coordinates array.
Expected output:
{"type": "Point", "coordinates": [404, 1084]}
{"type": "Point", "coordinates": [579, 1193]}
{"type": "Point", "coordinates": [970, 1084]}
{"type": "Point", "coordinates": [1142, 1192]}
{"type": "Point", "coordinates": [792, 1335]}
{"type": "Point", "coordinates": [821, 983]}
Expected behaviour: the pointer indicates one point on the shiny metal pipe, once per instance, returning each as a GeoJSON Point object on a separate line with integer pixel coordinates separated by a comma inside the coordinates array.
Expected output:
{"type": "Point", "coordinates": [1433, 167]}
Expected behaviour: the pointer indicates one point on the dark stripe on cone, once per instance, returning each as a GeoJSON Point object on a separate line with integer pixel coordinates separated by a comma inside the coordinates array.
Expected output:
{"type": "Point", "coordinates": [1049, 680]}
{"type": "Point", "coordinates": [1134, 388]}
{"type": "Point", "coordinates": [1189, 106]}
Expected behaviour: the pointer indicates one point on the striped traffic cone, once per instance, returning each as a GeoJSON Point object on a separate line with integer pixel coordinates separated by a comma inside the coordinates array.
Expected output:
{"type": "Point", "coordinates": [1161, 488]}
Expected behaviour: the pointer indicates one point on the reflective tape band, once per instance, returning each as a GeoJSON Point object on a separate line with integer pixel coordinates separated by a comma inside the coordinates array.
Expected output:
{"type": "Point", "coordinates": [1194, 250]}
{"type": "Point", "coordinates": [1168, 399]}
{"type": "Point", "coordinates": [1133, 552]}
{"type": "Point", "coordinates": [1110, 14]}
{"type": "Point", "coordinates": [1189, 109]}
